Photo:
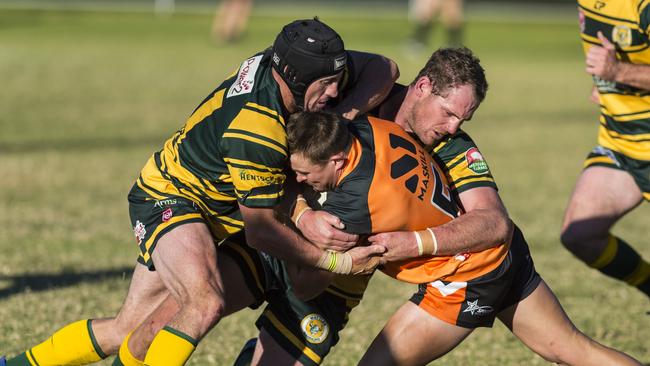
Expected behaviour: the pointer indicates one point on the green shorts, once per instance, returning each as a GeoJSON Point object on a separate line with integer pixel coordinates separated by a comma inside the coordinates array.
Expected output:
{"type": "Point", "coordinates": [152, 218]}
{"type": "Point", "coordinates": [306, 330]}
{"type": "Point", "coordinates": [638, 169]}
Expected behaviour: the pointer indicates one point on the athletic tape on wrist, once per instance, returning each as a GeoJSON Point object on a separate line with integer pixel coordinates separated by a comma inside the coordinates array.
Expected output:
{"type": "Point", "coordinates": [427, 242]}
{"type": "Point", "coordinates": [335, 262]}
{"type": "Point", "coordinates": [299, 209]}
{"type": "Point", "coordinates": [418, 238]}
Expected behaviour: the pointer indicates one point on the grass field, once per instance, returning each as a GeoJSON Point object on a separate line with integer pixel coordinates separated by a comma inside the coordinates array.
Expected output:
{"type": "Point", "coordinates": [86, 97]}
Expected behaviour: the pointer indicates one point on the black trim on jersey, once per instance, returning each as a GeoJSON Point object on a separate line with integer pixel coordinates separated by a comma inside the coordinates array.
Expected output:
{"type": "Point", "coordinates": [607, 16]}
{"type": "Point", "coordinates": [250, 167]}
{"type": "Point", "coordinates": [141, 181]}
{"type": "Point", "coordinates": [630, 114]}
{"type": "Point", "coordinates": [264, 112]}
{"type": "Point", "coordinates": [471, 177]}
{"type": "Point", "coordinates": [627, 128]}
{"type": "Point", "coordinates": [251, 134]}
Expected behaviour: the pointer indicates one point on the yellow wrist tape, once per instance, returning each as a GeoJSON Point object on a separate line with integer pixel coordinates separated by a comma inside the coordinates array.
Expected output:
{"type": "Point", "coordinates": [335, 262]}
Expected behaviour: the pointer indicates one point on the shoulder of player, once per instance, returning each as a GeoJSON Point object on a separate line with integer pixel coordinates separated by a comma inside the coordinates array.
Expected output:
{"type": "Point", "coordinates": [453, 146]}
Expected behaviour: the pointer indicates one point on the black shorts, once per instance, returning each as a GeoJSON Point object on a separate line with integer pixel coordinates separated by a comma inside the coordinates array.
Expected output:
{"type": "Point", "coordinates": [476, 303]}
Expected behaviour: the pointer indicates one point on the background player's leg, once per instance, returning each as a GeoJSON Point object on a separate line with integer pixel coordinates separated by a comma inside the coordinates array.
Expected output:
{"type": "Point", "coordinates": [601, 197]}
{"type": "Point", "coordinates": [541, 323]}
{"type": "Point", "coordinates": [413, 337]}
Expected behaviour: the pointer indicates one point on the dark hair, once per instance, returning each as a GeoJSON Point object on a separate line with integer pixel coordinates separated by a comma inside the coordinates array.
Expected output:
{"type": "Point", "coordinates": [452, 67]}
{"type": "Point", "coordinates": [304, 51]}
{"type": "Point", "coordinates": [317, 135]}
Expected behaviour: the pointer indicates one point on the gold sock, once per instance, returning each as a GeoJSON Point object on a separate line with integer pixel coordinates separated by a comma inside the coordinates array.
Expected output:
{"type": "Point", "coordinates": [170, 347]}
{"type": "Point", "coordinates": [125, 357]}
{"type": "Point", "coordinates": [73, 344]}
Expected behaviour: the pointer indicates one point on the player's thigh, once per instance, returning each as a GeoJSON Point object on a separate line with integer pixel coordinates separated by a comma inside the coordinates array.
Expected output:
{"type": "Point", "coordinates": [601, 196]}
{"type": "Point", "coordinates": [186, 260]}
{"type": "Point", "coordinates": [452, 13]}
{"type": "Point", "coordinates": [269, 353]}
{"type": "Point", "coordinates": [413, 337]}
{"type": "Point", "coordinates": [541, 324]}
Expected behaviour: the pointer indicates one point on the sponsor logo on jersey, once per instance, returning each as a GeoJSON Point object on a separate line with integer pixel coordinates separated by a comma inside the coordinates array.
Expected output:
{"type": "Point", "coordinates": [408, 163]}
{"type": "Point", "coordinates": [139, 231]}
{"type": "Point", "coordinates": [246, 175]}
{"type": "Point", "coordinates": [315, 328]}
{"type": "Point", "coordinates": [447, 289]}
{"type": "Point", "coordinates": [167, 214]}
{"type": "Point", "coordinates": [475, 161]}
{"type": "Point", "coordinates": [339, 63]}
{"type": "Point", "coordinates": [477, 310]}
{"type": "Point", "coordinates": [245, 77]}
{"type": "Point", "coordinates": [167, 202]}
{"type": "Point", "coordinates": [622, 35]}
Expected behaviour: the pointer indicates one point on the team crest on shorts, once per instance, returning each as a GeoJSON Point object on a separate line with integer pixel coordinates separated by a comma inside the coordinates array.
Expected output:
{"type": "Point", "coordinates": [139, 231]}
{"type": "Point", "coordinates": [315, 328]}
{"type": "Point", "coordinates": [475, 161]}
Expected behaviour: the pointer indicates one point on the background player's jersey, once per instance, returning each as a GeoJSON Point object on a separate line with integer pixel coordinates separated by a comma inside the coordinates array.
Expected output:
{"type": "Point", "coordinates": [625, 110]}
{"type": "Point", "coordinates": [392, 184]}
{"type": "Point", "coordinates": [232, 150]}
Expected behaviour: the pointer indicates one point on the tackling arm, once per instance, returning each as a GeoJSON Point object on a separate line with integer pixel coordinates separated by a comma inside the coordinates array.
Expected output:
{"type": "Point", "coordinates": [374, 76]}
{"type": "Point", "coordinates": [484, 225]}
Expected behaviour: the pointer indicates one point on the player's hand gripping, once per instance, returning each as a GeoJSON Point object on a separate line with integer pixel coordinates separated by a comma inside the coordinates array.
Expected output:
{"type": "Point", "coordinates": [399, 245]}
{"type": "Point", "coordinates": [366, 258]}
{"type": "Point", "coordinates": [601, 60]}
{"type": "Point", "coordinates": [325, 230]}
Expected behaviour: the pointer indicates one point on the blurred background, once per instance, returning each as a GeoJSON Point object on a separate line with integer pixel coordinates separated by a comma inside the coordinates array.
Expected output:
{"type": "Point", "coordinates": [90, 89]}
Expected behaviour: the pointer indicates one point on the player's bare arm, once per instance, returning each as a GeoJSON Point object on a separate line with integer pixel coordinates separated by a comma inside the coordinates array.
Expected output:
{"type": "Point", "coordinates": [265, 233]}
{"type": "Point", "coordinates": [484, 225]}
{"type": "Point", "coordinates": [374, 77]}
{"type": "Point", "coordinates": [602, 62]}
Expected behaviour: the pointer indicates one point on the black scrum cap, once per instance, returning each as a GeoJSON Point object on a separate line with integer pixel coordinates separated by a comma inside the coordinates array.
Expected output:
{"type": "Point", "coordinates": [307, 50]}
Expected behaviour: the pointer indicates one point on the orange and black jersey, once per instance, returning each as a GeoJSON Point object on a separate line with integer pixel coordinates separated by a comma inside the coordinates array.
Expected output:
{"type": "Point", "coordinates": [625, 110]}
{"type": "Point", "coordinates": [390, 183]}
{"type": "Point", "coordinates": [457, 155]}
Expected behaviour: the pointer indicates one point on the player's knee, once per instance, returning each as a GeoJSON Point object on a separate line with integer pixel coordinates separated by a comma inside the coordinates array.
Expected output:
{"type": "Point", "coordinates": [208, 308]}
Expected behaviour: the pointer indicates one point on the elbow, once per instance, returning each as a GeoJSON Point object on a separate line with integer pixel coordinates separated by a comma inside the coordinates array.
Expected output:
{"type": "Point", "coordinates": [394, 69]}
{"type": "Point", "coordinates": [504, 228]}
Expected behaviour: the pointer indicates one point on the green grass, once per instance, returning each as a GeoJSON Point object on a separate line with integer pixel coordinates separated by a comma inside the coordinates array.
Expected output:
{"type": "Point", "coordinates": [87, 97]}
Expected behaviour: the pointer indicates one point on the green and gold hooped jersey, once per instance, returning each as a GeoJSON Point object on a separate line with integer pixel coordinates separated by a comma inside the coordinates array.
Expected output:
{"type": "Point", "coordinates": [625, 110]}
{"type": "Point", "coordinates": [462, 162]}
{"type": "Point", "coordinates": [232, 150]}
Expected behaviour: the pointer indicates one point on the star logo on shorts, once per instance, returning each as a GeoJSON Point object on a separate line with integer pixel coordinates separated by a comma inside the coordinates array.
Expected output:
{"type": "Point", "coordinates": [475, 309]}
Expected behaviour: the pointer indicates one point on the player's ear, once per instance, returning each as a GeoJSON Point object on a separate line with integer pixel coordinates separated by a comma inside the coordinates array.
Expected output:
{"type": "Point", "coordinates": [423, 86]}
{"type": "Point", "coordinates": [338, 160]}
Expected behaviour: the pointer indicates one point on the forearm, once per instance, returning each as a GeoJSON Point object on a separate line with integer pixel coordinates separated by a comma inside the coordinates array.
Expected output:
{"type": "Point", "coordinates": [283, 243]}
{"type": "Point", "coordinates": [474, 231]}
{"type": "Point", "coordinates": [635, 75]}
{"type": "Point", "coordinates": [371, 87]}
